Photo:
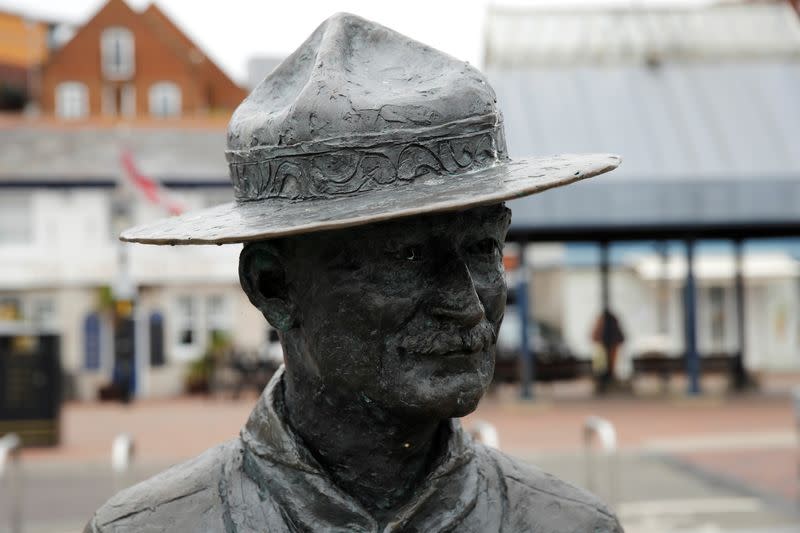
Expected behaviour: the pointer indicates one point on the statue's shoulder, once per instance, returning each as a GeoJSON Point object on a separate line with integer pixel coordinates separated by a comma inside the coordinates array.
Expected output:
{"type": "Point", "coordinates": [533, 495]}
{"type": "Point", "coordinates": [186, 497]}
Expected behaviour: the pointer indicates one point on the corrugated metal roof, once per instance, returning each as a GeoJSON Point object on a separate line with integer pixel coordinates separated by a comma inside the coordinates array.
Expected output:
{"type": "Point", "coordinates": [703, 142]}
{"type": "Point", "coordinates": [522, 37]}
{"type": "Point", "coordinates": [88, 154]}
{"type": "Point", "coordinates": [679, 120]}
{"type": "Point", "coordinates": [604, 204]}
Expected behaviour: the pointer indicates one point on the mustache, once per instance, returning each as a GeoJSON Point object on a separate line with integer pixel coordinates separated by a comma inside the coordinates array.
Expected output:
{"type": "Point", "coordinates": [445, 340]}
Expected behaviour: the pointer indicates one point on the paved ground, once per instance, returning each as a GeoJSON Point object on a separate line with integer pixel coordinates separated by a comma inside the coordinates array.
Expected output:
{"type": "Point", "coordinates": [770, 470]}
{"type": "Point", "coordinates": [171, 430]}
{"type": "Point", "coordinates": [685, 465]}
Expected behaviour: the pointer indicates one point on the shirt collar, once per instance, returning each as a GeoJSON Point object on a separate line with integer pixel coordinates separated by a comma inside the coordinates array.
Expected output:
{"type": "Point", "coordinates": [278, 462]}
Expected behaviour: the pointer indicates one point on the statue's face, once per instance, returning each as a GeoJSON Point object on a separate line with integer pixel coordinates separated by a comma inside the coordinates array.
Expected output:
{"type": "Point", "coordinates": [404, 313]}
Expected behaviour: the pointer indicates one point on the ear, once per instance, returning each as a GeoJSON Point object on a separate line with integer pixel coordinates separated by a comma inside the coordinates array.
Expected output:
{"type": "Point", "coordinates": [262, 274]}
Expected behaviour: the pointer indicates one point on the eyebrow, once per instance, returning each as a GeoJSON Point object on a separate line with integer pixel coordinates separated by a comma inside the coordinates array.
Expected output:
{"type": "Point", "coordinates": [492, 219]}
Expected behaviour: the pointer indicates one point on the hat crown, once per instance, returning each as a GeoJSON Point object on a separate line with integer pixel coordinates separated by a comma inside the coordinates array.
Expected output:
{"type": "Point", "coordinates": [360, 106]}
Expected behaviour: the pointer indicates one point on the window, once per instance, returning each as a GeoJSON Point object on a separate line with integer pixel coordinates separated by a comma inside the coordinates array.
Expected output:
{"type": "Point", "coordinates": [165, 99]}
{"type": "Point", "coordinates": [156, 339]}
{"type": "Point", "coordinates": [185, 319]}
{"type": "Point", "coordinates": [72, 100]}
{"type": "Point", "coordinates": [43, 313]}
{"type": "Point", "coordinates": [199, 321]}
{"type": "Point", "coordinates": [217, 315]}
{"type": "Point", "coordinates": [39, 311]}
{"type": "Point", "coordinates": [117, 51]}
{"type": "Point", "coordinates": [92, 341]}
{"type": "Point", "coordinates": [16, 221]}
{"type": "Point", "coordinates": [10, 308]}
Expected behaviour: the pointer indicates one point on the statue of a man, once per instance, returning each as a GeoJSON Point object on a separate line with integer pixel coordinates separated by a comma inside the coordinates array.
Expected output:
{"type": "Point", "coordinates": [369, 172]}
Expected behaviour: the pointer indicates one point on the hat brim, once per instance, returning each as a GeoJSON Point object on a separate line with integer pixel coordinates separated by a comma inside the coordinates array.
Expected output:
{"type": "Point", "coordinates": [239, 222]}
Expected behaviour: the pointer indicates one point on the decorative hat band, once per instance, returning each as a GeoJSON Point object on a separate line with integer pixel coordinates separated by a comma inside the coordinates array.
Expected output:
{"type": "Point", "coordinates": [345, 171]}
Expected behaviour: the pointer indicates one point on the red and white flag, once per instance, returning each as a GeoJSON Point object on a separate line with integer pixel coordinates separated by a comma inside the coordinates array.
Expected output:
{"type": "Point", "coordinates": [150, 188]}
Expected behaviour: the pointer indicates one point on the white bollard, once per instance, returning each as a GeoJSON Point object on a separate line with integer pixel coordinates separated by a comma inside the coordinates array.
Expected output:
{"type": "Point", "coordinates": [796, 403]}
{"type": "Point", "coordinates": [122, 450]}
{"type": "Point", "coordinates": [606, 434]}
{"type": "Point", "coordinates": [485, 433]}
{"type": "Point", "coordinates": [10, 469]}
{"type": "Point", "coordinates": [9, 449]}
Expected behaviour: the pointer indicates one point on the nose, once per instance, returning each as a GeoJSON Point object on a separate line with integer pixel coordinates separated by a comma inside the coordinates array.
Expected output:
{"type": "Point", "coordinates": [455, 297]}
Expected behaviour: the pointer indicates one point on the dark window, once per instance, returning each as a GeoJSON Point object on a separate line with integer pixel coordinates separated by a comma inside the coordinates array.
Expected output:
{"type": "Point", "coordinates": [92, 341]}
{"type": "Point", "coordinates": [156, 339]}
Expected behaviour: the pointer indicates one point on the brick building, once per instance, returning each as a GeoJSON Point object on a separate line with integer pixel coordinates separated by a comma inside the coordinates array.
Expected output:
{"type": "Point", "coordinates": [24, 46]}
{"type": "Point", "coordinates": [139, 68]}
{"type": "Point", "coordinates": [129, 64]}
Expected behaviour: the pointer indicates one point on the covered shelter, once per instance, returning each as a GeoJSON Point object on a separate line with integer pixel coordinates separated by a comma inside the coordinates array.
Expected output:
{"type": "Point", "coordinates": [701, 102]}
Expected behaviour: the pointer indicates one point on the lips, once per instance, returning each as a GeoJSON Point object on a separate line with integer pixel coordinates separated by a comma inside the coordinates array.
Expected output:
{"type": "Point", "coordinates": [454, 354]}
{"type": "Point", "coordinates": [461, 348]}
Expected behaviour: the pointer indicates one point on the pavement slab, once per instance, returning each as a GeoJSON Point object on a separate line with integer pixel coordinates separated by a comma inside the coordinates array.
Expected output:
{"type": "Point", "coordinates": [708, 465]}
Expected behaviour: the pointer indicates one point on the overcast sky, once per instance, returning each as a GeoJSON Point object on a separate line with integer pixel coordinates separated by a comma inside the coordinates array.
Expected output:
{"type": "Point", "coordinates": [232, 31]}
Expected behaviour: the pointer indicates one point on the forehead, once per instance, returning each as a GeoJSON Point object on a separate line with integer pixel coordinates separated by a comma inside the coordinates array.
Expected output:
{"type": "Point", "coordinates": [492, 220]}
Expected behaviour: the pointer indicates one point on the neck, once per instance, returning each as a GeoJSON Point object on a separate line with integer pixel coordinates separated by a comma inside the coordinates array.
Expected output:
{"type": "Point", "coordinates": [376, 457]}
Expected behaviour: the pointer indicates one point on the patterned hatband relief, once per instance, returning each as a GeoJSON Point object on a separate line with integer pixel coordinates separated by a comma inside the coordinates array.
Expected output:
{"type": "Point", "coordinates": [351, 170]}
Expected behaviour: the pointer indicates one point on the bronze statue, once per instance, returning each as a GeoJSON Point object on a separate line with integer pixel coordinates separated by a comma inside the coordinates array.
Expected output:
{"type": "Point", "coordinates": [370, 173]}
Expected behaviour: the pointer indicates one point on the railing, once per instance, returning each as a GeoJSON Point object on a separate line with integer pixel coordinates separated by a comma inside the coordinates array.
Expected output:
{"type": "Point", "coordinates": [601, 430]}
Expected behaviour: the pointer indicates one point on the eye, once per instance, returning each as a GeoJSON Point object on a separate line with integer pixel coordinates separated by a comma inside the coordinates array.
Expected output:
{"type": "Point", "coordinates": [411, 253]}
{"type": "Point", "coordinates": [484, 247]}
{"type": "Point", "coordinates": [344, 260]}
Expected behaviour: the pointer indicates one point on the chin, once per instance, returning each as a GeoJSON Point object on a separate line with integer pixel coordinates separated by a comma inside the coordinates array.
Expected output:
{"type": "Point", "coordinates": [465, 407]}
{"type": "Point", "coordinates": [466, 396]}
{"type": "Point", "coordinates": [441, 397]}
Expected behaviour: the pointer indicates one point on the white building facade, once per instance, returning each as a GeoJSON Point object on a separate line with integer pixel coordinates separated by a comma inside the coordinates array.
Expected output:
{"type": "Point", "coordinates": [647, 296]}
{"type": "Point", "coordinates": [61, 265]}
{"type": "Point", "coordinates": [640, 294]}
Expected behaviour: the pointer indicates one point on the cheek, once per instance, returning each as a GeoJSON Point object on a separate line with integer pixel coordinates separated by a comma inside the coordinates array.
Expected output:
{"type": "Point", "coordinates": [492, 291]}
{"type": "Point", "coordinates": [494, 304]}
{"type": "Point", "coordinates": [392, 312]}
{"type": "Point", "coordinates": [379, 297]}
{"type": "Point", "coordinates": [359, 312]}
{"type": "Point", "coordinates": [347, 334]}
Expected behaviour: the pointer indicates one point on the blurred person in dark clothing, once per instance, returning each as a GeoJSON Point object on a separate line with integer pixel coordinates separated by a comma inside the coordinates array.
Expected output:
{"type": "Point", "coordinates": [607, 334]}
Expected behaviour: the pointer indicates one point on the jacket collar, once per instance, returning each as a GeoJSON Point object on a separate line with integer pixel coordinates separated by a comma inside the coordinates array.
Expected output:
{"type": "Point", "coordinates": [285, 470]}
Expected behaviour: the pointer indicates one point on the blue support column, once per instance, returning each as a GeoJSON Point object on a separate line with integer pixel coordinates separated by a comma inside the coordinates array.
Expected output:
{"type": "Point", "coordinates": [690, 314]}
{"type": "Point", "coordinates": [527, 355]}
{"type": "Point", "coordinates": [740, 378]}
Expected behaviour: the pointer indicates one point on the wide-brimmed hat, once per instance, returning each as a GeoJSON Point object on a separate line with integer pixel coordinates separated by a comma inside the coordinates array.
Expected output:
{"type": "Point", "coordinates": [362, 124]}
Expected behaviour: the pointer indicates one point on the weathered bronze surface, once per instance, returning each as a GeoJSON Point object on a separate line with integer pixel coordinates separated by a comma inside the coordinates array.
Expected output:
{"type": "Point", "coordinates": [277, 217]}
{"type": "Point", "coordinates": [362, 124]}
{"type": "Point", "coordinates": [388, 322]}
{"type": "Point", "coordinates": [388, 332]}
